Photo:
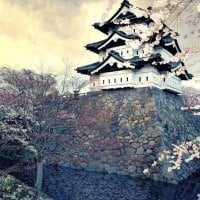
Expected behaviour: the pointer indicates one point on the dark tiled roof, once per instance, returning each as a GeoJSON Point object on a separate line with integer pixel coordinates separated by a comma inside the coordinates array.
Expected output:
{"type": "Point", "coordinates": [105, 27]}
{"type": "Point", "coordinates": [116, 55]}
{"type": "Point", "coordinates": [185, 76]}
{"type": "Point", "coordinates": [125, 3]}
{"type": "Point", "coordinates": [94, 46]}
{"type": "Point", "coordinates": [136, 61]}
{"type": "Point", "coordinates": [167, 39]}
{"type": "Point", "coordinates": [122, 34]}
{"type": "Point", "coordinates": [174, 64]}
{"type": "Point", "coordinates": [110, 24]}
{"type": "Point", "coordinates": [88, 68]}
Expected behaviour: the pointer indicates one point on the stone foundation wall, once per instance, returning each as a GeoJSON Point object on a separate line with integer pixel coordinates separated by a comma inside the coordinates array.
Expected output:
{"type": "Point", "coordinates": [124, 131]}
{"type": "Point", "coordinates": [178, 126]}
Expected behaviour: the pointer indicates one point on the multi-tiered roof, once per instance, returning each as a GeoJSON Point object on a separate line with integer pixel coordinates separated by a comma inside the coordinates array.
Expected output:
{"type": "Point", "coordinates": [115, 29]}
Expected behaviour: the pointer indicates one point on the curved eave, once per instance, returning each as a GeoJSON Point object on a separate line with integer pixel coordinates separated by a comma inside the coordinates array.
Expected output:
{"type": "Point", "coordinates": [135, 61]}
{"type": "Point", "coordinates": [94, 46]}
{"type": "Point", "coordinates": [104, 28]}
{"type": "Point", "coordinates": [170, 48]}
{"type": "Point", "coordinates": [173, 67]}
{"type": "Point", "coordinates": [168, 67]}
{"type": "Point", "coordinates": [189, 75]}
{"type": "Point", "coordinates": [139, 62]}
{"type": "Point", "coordinates": [125, 3]}
{"type": "Point", "coordinates": [102, 65]}
{"type": "Point", "coordinates": [185, 76]}
{"type": "Point", "coordinates": [171, 41]}
{"type": "Point", "coordinates": [107, 26]}
{"type": "Point", "coordinates": [109, 23]}
{"type": "Point", "coordinates": [116, 56]}
{"type": "Point", "coordinates": [88, 68]}
{"type": "Point", "coordinates": [120, 33]}
{"type": "Point", "coordinates": [167, 39]}
{"type": "Point", "coordinates": [98, 46]}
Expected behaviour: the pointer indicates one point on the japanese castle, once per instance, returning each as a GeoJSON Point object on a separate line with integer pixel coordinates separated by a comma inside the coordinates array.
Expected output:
{"type": "Point", "coordinates": [138, 52]}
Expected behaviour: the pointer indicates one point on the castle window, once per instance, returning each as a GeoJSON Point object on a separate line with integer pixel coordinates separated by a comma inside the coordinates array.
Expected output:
{"type": "Point", "coordinates": [127, 51]}
{"type": "Point", "coordinates": [94, 84]}
{"type": "Point", "coordinates": [115, 80]}
{"type": "Point", "coordinates": [103, 82]}
{"type": "Point", "coordinates": [140, 79]}
{"type": "Point", "coordinates": [147, 78]}
{"type": "Point", "coordinates": [137, 52]}
{"type": "Point", "coordinates": [109, 81]}
{"type": "Point", "coordinates": [164, 79]}
{"type": "Point", "coordinates": [121, 80]}
{"type": "Point", "coordinates": [121, 53]}
{"type": "Point", "coordinates": [127, 79]}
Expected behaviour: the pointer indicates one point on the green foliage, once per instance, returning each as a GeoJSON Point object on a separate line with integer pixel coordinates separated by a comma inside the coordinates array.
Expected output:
{"type": "Point", "coordinates": [7, 183]}
{"type": "Point", "coordinates": [12, 189]}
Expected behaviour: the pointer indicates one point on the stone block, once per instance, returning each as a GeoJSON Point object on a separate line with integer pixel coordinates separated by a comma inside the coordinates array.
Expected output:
{"type": "Point", "coordinates": [140, 150]}
{"type": "Point", "coordinates": [132, 169]}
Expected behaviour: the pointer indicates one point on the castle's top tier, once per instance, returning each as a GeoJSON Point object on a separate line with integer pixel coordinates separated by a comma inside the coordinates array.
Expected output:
{"type": "Point", "coordinates": [122, 13]}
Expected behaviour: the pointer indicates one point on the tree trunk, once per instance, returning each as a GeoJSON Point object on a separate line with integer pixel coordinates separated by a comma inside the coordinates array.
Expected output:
{"type": "Point", "coordinates": [39, 177]}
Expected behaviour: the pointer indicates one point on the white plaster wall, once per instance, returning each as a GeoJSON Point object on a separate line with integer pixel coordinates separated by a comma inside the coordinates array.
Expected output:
{"type": "Point", "coordinates": [164, 53]}
{"type": "Point", "coordinates": [117, 79]}
{"type": "Point", "coordinates": [94, 83]}
{"type": "Point", "coordinates": [146, 77]}
{"type": "Point", "coordinates": [128, 53]}
{"type": "Point", "coordinates": [173, 83]}
{"type": "Point", "coordinates": [124, 51]}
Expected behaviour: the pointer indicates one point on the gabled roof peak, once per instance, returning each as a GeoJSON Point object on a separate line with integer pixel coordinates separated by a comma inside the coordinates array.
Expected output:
{"type": "Point", "coordinates": [126, 3]}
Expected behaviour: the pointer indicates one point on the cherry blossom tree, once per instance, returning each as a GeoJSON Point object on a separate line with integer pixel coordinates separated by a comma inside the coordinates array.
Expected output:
{"type": "Point", "coordinates": [68, 82]}
{"type": "Point", "coordinates": [164, 12]}
{"type": "Point", "coordinates": [34, 116]}
{"type": "Point", "coordinates": [191, 98]}
{"type": "Point", "coordinates": [185, 13]}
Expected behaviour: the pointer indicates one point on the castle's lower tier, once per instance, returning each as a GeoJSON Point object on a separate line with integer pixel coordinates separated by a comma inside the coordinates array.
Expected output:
{"type": "Point", "coordinates": [146, 77]}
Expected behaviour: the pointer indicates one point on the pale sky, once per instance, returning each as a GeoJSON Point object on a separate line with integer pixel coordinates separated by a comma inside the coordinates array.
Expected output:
{"type": "Point", "coordinates": [44, 32]}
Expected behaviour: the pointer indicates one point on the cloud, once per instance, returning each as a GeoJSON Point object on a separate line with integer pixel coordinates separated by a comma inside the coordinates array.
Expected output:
{"type": "Point", "coordinates": [32, 31]}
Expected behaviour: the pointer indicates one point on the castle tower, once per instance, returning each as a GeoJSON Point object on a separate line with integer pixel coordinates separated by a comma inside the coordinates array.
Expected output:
{"type": "Point", "coordinates": [139, 51]}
